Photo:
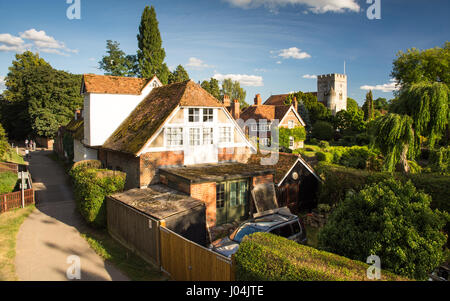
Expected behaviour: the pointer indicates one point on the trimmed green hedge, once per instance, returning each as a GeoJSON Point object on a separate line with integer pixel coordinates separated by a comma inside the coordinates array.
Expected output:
{"type": "Point", "coordinates": [8, 181]}
{"type": "Point", "coordinates": [267, 257]}
{"type": "Point", "coordinates": [91, 186]}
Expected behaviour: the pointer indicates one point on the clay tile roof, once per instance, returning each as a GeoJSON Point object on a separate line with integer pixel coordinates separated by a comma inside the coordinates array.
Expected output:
{"type": "Point", "coordinates": [276, 100]}
{"type": "Point", "coordinates": [267, 112]}
{"type": "Point", "coordinates": [104, 84]}
{"type": "Point", "coordinates": [150, 114]}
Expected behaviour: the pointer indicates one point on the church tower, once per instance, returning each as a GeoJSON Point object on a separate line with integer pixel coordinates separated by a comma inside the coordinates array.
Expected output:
{"type": "Point", "coordinates": [332, 91]}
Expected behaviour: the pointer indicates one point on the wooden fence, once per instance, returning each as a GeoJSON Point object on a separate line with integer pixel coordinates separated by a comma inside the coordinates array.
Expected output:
{"type": "Point", "coordinates": [185, 260]}
{"type": "Point", "coordinates": [11, 167]}
{"type": "Point", "coordinates": [13, 200]}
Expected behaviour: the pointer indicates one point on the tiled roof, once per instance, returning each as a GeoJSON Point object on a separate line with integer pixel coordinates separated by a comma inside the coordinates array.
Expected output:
{"type": "Point", "coordinates": [150, 114]}
{"type": "Point", "coordinates": [104, 84]}
{"type": "Point", "coordinates": [264, 112]}
{"type": "Point", "coordinates": [276, 100]}
{"type": "Point", "coordinates": [76, 128]}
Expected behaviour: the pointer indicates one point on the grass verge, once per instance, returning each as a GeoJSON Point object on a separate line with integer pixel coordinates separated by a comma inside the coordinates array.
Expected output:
{"type": "Point", "coordinates": [129, 263]}
{"type": "Point", "coordinates": [12, 157]}
{"type": "Point", "coordinates": [9, 226]}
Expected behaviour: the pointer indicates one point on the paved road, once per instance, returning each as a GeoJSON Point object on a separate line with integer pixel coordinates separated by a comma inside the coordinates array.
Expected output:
{"type": "Point", "coordinates": [51, 233]}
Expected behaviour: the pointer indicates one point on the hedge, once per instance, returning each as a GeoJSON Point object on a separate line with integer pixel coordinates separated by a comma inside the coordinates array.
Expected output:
{"type": "Point", "coordinates": [8, 181]}
{"type": "Point", "coordinates": [267, 257]}
{"type": "Point", "coordinates": [91, 186]}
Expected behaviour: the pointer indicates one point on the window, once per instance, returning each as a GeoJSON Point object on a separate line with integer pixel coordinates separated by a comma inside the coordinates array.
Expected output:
{"type": "Point", "coordinates": [291, 124]}
{"type": "Point", "coordinates": [220, 195]}
{"type": "Point", "coordinates": [225, 134]}
{"type": "Point", "coordinates": [208, 136]}
{"type": "Point", "coordinates": [194, 115]}
{"type": "Point", "coordinates": [284, 231]}
{"type": "Point", "coordinates": [174, 136]}
{"type": "Point", "coordinates": [291, 141]}
{"type": "Point", "coordinates": [264, 141]}
{"type": "Point", "coordinates": [208, 115]}
{"type": "Point", "coordinates": [254, 127]}
{"type": "Point", "coordinates": [194, 136]}
{"type": "Point", "coordinates": [234, 201]}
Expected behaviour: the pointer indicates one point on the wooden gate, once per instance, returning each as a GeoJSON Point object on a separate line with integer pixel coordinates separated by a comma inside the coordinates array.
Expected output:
{"type": "Point", "coordinates": [185, 260]}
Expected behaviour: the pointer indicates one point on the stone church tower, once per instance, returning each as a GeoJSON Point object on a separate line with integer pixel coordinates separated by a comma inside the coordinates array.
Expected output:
{"type": "Point", "coordinates": [332, 91]}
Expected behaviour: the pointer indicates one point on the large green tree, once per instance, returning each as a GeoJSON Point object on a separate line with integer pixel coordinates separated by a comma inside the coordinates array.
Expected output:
{"type": "Point", "coordinates": [392, 220]}
{"type": "Point", "coordinates": [368, 107]}
{"type": "Point", "coordinates": [316, 110]}
{"type": "Point", "coordinates": [178, 75]}
{"type": "Point", "coordinates": [116, 62]}
{"type": "Point", "coordinates": [151, 54]}
{"type": "Point", "coordinates": [212, 86]}
{"type": "Point", "coordinates": [235, 91]}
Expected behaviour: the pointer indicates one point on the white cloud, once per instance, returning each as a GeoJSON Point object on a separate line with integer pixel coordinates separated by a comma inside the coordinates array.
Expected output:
{"type": "Point", "coordinates": [243, 79]}
{"type": "Point", "coordinates": [2, 83]}
{"type": "Point", "coordinates": [46, 43]}
{"type": "Point", "coordinates": [310, 76]}
{"type": "Point", "coordinates": [10, 40]}
{"type": "Point", "coordinates": [315, 6]}
{"type": "Point", "coordinates": [195, 63]}
{"type": "Point", "coordinates": [279, 62]}
{"type": "Point", "coordinates": [390, 87]}
{"type": "Point", "coordinates": [291, 53]}
{"type": "Point", "coordinates": [260, 70]}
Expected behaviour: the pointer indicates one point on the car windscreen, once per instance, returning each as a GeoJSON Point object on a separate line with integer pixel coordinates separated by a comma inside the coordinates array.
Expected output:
{"type": "Point", "coordinates": [240, 233]}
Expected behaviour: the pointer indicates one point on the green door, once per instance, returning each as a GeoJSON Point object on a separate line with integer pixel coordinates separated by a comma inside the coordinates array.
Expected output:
{"type": "Point", "coordinates": [231, 201]}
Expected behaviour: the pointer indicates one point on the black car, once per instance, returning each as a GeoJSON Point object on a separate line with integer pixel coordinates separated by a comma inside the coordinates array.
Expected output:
{"type": "Point", "coordinates": [289, 226]}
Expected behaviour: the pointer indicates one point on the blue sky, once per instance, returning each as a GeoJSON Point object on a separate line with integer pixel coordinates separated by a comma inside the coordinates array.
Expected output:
{"type": "Point", "coordinates": [271, 46]}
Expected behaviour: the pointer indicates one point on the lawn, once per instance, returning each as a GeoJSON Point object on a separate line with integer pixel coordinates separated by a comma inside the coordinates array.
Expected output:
{"type": "Point", "coordinates": [12, 157]}
{"type": "Point", "coordinates": [8, 181]}
{"type": "Point", "coordinates": [129, 263]}
{"type": "Point", "coordinates": [311, 235]}
{"type": "Point", "coordinates": [9, 226]}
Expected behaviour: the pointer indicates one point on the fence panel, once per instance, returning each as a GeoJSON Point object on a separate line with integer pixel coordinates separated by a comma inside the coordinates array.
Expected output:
{"type": "Point", "coordinates": [185, 260]}
{"type": "Point", "coordinates": [13, 200]}
{"type": "Point", "coordinates": [11, 167]}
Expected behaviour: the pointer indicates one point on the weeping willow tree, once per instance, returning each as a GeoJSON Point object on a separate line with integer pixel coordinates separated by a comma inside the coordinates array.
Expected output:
{"type": "Point", "coordinates": [422, 110]}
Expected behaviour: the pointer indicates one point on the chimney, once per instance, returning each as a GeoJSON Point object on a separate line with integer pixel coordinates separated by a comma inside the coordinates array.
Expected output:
{"type": "Point", "coordinates": [77, 114]}
{"type": "Point", "coordinates": [235, 109]}
{"type": "Point", "coordinates": [226, 100]}
{"type": "Point", "coordinates": [258, 100]}
{"type": "Point", "coordinates": [295, 103]}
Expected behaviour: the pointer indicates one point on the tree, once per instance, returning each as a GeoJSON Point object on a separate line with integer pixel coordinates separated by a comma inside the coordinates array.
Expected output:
{"type": "Point", "coordinates": [430, 65]}
{"type": "Point", "coordinates": [349, 121]}
{"type": "Point", "coordinates": [4, 145]}
{"type": "Point", "coordinates": [380, 104]}
{"type": "Point", "coordinates": [304, 114]}
{"type": "Point", "coordinates": [178, 75]}
{"type": "Point", "coordinates": [150, 54]}
{"type": "Point", "coordinates": [234, 90]}
{"type": "Point", "coordinates": [117, 63]}
{"type": "Point", "coordinates": [369, 111]}
{"type": "Point", "coordinates": [212, 87]}
{"type": "Point", "coordinates": [392, 220]}
{"type": "Point", "coordinates": [323, 130]}
{"type": "Point", "coordinates": [352, 105]}
{"type": "Point", "coordinates": [316, 110]}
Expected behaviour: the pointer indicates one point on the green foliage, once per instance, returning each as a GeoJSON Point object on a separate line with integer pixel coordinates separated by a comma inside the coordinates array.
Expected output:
{"type": "Point", "coordinates": [4, 145]}
{"type": "Point", "coordinates": [324, 144]}
{"type": "Point", "coordinates": [299, 134]}
{"type": "Point", "coordinates": [8, 181]}
{"type": "Point", "coordinates": [324, 157]}
{"type": "Point", "coordinates": [350, 121]}
{"type": "Point", "coordinates": [381, 104]}
{"type": "Point", "coordinates": [355, 157]}
{"type": "Point", "coordinates": [234, 90]}
{"type": "Point", "coordinates": [267, 257]}
{"type": "Point", "coordinates": [393, 221]}
{"type": "Point", "coordinates": [368, 107]}
{"type": "Point", "coordinates": [212, 86]}
{"type": "Point", "coordinates": [150, 54]}
{"type": "Point", "coordinates": [116, 62]}
{"type": "Point", "coordinates": [91, 186]}
{"type": "Point", "coordinates": [439, 160]}
{"type": "Point", "coordinates": [178, 75]}
{"type": "Point", "coordinates": [323, 130]}
{"type": "Point", "coordinates": [68, 146]}
{"type": "Point", "coordinates": [430, 65]}
{"type": "Point", "coordinates": [316, 110]}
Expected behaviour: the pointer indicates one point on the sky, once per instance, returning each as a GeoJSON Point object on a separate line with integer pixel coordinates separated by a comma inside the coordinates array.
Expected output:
{"type": "Point", "coordinates": [269, 46]}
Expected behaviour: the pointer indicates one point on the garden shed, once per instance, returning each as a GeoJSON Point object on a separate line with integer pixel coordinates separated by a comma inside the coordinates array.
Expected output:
{"type": "Point", "coordinates": [134, 218]}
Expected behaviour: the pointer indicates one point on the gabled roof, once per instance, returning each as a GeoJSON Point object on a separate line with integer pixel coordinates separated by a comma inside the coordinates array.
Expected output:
{"type": "Point", "coordinates": [264, 112]}
{"type": "Point", "coordinates": [152, 112]}
{"type": "Point", "coordinates": [276, 100]}
{"type": "Point", "coordinates": [105, 84]}
{"type": "Point", "coordinates": [286, 162]}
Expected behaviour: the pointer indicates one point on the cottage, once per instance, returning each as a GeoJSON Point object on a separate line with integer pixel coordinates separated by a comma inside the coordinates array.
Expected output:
{"type": "Point", "coordinates": [264, 117]}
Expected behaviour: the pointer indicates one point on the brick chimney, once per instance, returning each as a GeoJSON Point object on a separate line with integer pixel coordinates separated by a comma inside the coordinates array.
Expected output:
{"type": "Point", "coordinates": [258, 100]}
{"type": "Point", "coordinates": [226, 100]}
{"type": "Point", "coordinates": [295, 103]}
{"type": "Point", "coordinates": [235, 109]}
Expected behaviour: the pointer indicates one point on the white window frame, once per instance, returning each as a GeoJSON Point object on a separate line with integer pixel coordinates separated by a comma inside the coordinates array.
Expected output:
{"type": "Point", "coordinates": [194, 110]}
{"type": "Point", "coordinates": [264, 141]}
{"type": "Point", "coordinates": [209, 131]}
{"type": "Point", "coordinates": [291, 141]}
{"type": "Point", "coordinates": [194, 137]}
{"type": "Point", "coordinates": [168, 135]}
{"type": "Point", "coordinates": [208, 112]}
{"type": "Point", "coordinates": [290, 124]}
{"type": "Point", "coordinates": [225, 130]}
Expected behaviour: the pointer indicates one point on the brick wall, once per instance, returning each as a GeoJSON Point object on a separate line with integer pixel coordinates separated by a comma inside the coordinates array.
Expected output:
{"type": "Point", "coordinates": [124, 162]}
{"type": "Point", "coordinates": [150, 162]}
{"type": "Point", "coordinates": [206, 192]}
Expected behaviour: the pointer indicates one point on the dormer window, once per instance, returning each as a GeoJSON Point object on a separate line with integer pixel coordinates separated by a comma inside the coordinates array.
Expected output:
{"type": "Point", "coordinates": [208, 115]}
{"type": "Point", "coordinates": [194, 115]}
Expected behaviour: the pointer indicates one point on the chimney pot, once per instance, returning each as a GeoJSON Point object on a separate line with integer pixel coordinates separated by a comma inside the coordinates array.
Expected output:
{"type": "Point", "coordinates": [226, 100]}
{"type": "Point", "coordinates": [258, 100]}
{"type": "Point", "coordinates": [235, 109]}
{"type": "Point", "coordinates": [295, 104]}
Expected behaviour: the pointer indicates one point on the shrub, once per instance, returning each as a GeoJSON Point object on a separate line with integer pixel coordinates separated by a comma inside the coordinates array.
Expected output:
{"type": "Point", "coordinates": [439, 160]}
{"type": "Point", "coordinates": [356, 157]}
{"type": "Point", "coordinates": [324, 157]}
{"type": "Point", "coordinates": [324, 144]}
{"type": "Point", "coordinates": [323, 130]}
{"type": "Point", "coordinates": [8, 181]}
{"type": "Point", "coordinates": [91, 186]}
{"type": "Point", "coordinates": [267, 257]}
{"type": "Point", "coordinates": [391, 220]}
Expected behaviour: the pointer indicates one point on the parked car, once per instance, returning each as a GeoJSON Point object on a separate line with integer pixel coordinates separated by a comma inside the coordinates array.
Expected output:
{"type": "Point", "coordinates": [282, 224]}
